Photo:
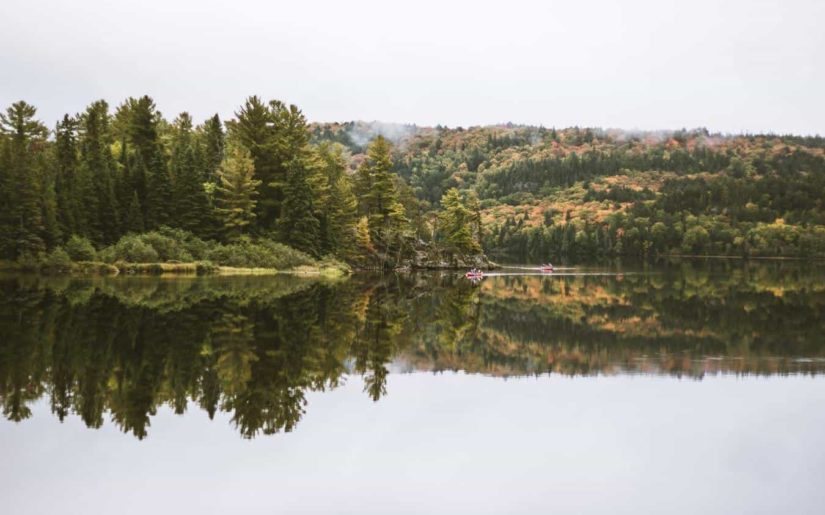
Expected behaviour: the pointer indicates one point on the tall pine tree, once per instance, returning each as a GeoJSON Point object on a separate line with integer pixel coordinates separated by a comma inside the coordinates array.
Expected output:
{"type": "Point", "coordinates": [236, 193]}
{"type": "Point", "coordinates": [21, 214]}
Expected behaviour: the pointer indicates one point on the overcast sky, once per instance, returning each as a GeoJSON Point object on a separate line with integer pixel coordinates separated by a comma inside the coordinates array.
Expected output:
{"type": "Point", "coordinates": [730, 66]}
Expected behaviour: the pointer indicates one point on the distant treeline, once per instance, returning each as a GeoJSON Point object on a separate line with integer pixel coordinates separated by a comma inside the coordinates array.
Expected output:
{"type": "Point", "coordinates": [584, 193]}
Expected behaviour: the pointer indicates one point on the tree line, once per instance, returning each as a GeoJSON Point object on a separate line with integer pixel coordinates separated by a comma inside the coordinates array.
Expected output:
{"type": "Point", "coordinates": [102, 175]}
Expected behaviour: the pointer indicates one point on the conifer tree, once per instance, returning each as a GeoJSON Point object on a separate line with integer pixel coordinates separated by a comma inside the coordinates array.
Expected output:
{"type": "Point", "coordinates": [97, 162]}
{"type": "Point", "coordinates": [299, 226]}
{"type": "Point", "coordinates": [236, 192]}
{"type": "Point", "coordinates": [142, 129]}
{"type": "Point", "coordinates": [21, 215]}
{"type": "Point", "coordinates": [253, 128]}
{"type": "Point", "coordinates": [66, 157]}
{"type": "Point", "coordinates": [191, 202]}
{"type": "Point", "coordinates": [343, 209]}
{"type": "Point", "coordinates": [213, 142]}
{"type": "Point", "coordinates": [456, 222]}
{"type": "Point", "coordinates": [375, 184]}
{"type": "Point", "coordinates": [133, 222]}
{"type": "Point", "coordinates": [274, 134]}
{"type": "Point", "coordinates": [363, 240]}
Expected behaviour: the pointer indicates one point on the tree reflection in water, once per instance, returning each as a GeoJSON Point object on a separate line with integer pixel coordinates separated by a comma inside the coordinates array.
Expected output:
{"type": "Point", "coordinates": [119, 348]}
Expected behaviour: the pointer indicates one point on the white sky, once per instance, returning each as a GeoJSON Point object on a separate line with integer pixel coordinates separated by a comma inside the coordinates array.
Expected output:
{"type": "Point", "coordinates": [731, 66]}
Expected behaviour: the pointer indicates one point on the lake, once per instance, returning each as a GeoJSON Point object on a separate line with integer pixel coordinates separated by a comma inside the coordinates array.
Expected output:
{"type": "Point", "coordinates": [680, 388]}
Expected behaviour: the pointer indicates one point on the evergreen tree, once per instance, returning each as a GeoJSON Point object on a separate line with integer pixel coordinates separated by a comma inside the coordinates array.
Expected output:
{"type": "Point", "coordinates": [274, 134]}
{"type": "Point", "coordinates": [253, 129]}
{"type": "Point", "coordinates": [213, 142]}
{"type": "Point", "coordinates": [142, 119]}
{"type": "Point", "coordinates": [334, 199]}
{"type": "Point", "coordinates": [236, 192]}
{"type": "Point", "coordinates": [299, 225]}
{"type": "Point", "coordinates": [191, 202]}
{"type": "Point", "coordinates": [66, 150]}
{"type": "Point", "coordinates": [456, 222]}
{"type": "Point", "coordinates": [97, 163]}
{"type": "Point", "coordinates": [375, 184]}
{"type": "Point", "coordinates": [343, 209]}
{"type": "Point", "coordinates": [21, 215]}
{"type": "Point", "coordinates": [133, 222]}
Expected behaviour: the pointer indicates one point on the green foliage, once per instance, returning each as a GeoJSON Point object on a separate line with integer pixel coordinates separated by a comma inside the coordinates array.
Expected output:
{"type": "Point", "coordinates": [80, 249]}
{"type": "Point", "coordinates": [375, 185]}
{"type": "Point", "coordinates": [526, 191]}
{"type": "Point", "coordinates": [23, 183]}
{"type": "Point", "coordinates": [131, 248]}
{"type": "Point", "coordinates": [236, 192]}
{"type": "Point", "coordinates": [456, 222]}
{"type": "Point", "coordinates": [57, 260]}
{"type": "Point", "coordinates": [261, 253]}
{"type": "Point", "coordinates": [299, 225]}
{"type": "Point", "coordinates": [178, 246]}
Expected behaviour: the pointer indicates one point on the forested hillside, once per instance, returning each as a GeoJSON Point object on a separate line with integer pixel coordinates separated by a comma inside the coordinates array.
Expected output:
{"type": "Point", "coordinates": [127, 184]}
{"type": "Point", "coordinates": [589, 193]}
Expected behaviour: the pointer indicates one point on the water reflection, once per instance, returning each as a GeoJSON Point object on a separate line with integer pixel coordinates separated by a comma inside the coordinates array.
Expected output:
{"type": "Point", "coordinates": [120, 348]}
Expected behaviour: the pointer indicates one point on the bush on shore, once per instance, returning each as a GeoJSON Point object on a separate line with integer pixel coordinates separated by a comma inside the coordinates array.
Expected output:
{"type": "Point", "coordinates": [80, 249]}
{"type": "Point", "coordinates": [174, 245]}
{"type": "Point", "coordinates": [172, 251]}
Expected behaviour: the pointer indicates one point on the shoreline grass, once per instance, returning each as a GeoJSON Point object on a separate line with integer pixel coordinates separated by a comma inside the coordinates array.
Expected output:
{"type": "Point", "coordinates": [195, 268]}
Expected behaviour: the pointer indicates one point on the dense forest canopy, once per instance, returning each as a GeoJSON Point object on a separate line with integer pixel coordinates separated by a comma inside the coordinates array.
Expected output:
{"type": "Point", "coordinates": [583, 193]}
{"type": "Point", "coordinates": [373, 194]}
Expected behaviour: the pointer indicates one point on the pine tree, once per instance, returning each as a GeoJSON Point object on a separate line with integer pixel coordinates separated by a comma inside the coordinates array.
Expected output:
{"type": "Point", "coordinates": [299, 226]}
{"type": "Point", "coordinates": [142, 129]}
{"type": "Point", "coordinates": [253, 129]}
{"type": "Point", "coordinates": [66, 155]}
{"type": "Point", "coordinates": [375, 184]}
{"type": "Point", "coordinates": [362, 236]}
{"type": "Point", "coordinates": [474, 206]}
{"type": "Point", "coordinates": [213, 142]}
{"type": "Point", "coordinates": [343, 209]}
{"type": "Point", "coordinates": [456, 222]}
{"type": "Point", "coordinates": [133, 222]}
{"type": "Point", "coordinates": [274, 134]}
{"type": "Point", "coordinates": [98, 165]}
{"type": "Point", "coordinates": [21, 215]}
{"type": "Point", "coordinates": [236, 192]}
{"type": "Point", "coordinates": [335, 202]}
{"type": "Point", "coordinates": [191, 202]}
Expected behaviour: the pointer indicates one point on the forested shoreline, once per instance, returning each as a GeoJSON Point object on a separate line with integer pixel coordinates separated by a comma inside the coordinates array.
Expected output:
{"type": "Point", "coordinates": [130, 186]}
{"type": "Point", "coordinates": [269, 189]}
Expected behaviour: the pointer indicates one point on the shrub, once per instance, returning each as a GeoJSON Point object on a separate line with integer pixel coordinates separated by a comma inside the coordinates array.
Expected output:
{"type": "Point", "coordinates": [205, 268]}
{"type": "Point", "coordinates": [262, 253]}
{"type": "Point", "coordinates": [131, 248]}
{"type": "Point", "coordinates": [195, 246]}
{"type": "Point", "coordinates": [80, 249]}
{"type": "Point", "coordinates": [166, 245]}
{"type": "Point", "coordinates": [57, 260]}
{"type": "Point", "coordinates": [167, 248]}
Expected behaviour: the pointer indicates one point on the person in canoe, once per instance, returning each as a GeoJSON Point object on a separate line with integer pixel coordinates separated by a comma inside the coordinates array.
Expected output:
{"type": "Point", "coordinates": [547, 268]}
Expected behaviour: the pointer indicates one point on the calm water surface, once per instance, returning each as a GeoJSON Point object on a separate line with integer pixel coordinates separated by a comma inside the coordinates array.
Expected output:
{"type": "Point", "coordinates": [693, 387]}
